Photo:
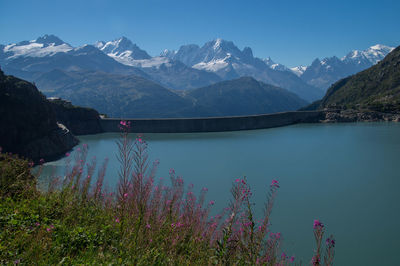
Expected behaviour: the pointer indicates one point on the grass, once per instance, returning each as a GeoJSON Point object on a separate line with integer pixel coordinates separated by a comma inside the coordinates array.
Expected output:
{"type": "Point", "coordinates": [77, 221]}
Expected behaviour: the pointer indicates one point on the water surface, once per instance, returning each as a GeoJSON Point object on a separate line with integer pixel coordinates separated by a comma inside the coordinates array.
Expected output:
{"type": "Point", "coordinates": [346, 175]}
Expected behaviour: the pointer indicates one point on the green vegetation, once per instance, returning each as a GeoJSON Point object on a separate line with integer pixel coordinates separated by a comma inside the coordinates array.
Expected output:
{"type": "Point", "coordinates": [376, 89]}
{"type": "Point", "coordinates": [77, 221]}
{"type": "Point", "coordinates": [15, 176]}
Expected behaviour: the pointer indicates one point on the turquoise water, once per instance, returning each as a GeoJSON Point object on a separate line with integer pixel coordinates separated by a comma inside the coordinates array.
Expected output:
{"type": "Point", "coordinates": [346, 175]}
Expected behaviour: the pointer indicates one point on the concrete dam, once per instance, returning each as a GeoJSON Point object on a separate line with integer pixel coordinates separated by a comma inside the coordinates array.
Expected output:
{"type": "Point", "coordinates": [213, 124]}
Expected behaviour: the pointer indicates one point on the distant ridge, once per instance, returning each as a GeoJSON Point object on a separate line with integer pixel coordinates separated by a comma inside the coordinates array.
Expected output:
{"type": "Point", "coordinates": [376, 88]}
{"type": "Point", "coordinates": [244, 96]}
{"type": "Point", "coordinates": [136, 97]}
{"type": "Point", "coordinates": [323, 73]}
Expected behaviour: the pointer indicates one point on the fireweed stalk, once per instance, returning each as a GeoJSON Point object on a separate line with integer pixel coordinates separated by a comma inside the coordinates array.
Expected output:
{"type": "Point", "coordinates": [149, 208]}
{"type": "Point", "coordinates": [148, 222]}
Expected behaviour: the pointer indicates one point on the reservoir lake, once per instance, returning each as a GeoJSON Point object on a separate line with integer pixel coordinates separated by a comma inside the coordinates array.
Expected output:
{"type": "Point", "coordinates": [347, 175]}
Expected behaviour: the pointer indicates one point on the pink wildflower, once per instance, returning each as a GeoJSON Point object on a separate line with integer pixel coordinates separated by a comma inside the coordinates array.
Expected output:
{"type": "Point", "coordinates": [318, 224]}
{"type": "Point", "coordinates": [274, 183]}
{"type": "Point", "coordinates": [315, 260]}
{"type": "Point", "coordinates": [117, 220]}
{"type": "Point", "coordinates": [330, 242]}
{"type": "Point", "coordinates": [148, 226]}
{"type": "Point", "coordinates": [211, 202]}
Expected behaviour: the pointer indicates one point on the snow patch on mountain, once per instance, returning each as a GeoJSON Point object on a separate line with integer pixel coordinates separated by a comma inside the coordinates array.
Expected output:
{"type": "Point", "coordinates": [152, 62]}
{"type": "Point", "coordinates": [299, 70]}
{"type": "Point", "coordinates": [276, 66]}
{"type": "Point", "coordinates": [213, 65]}
{"type": "Point", "coordinates": [46, 45]}
{"type": "Point", "coordinates": [373, 54]}
{"type": "Point", "coordinates": [122, 50]}
{"type": "Point", "coordinates": [168, 53]}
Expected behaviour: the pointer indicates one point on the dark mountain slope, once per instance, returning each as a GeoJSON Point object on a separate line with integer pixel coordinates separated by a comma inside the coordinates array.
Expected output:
{"type": "Point", "coordinates": [85, 58]}
{"type": "Point", "coordinates": [377, 88]}
{"type": "Point", "coordinates": [244, 96]}
{"type": "Point", "coordinates": [114, 95]}
{"type": "Point", "coordinates": [28, 124]}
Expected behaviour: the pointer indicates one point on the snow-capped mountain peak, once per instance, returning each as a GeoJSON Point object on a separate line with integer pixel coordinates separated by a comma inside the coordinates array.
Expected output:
{"type": "Point", "coordinates": [49, 39]}
{"type": "Point", "coordinates": [351, 63]}
{"type": "Point", "coordinates": [373, 54]}
{"type": "Point", "coordinates": [217, 43]}
{"type": "Point", "coordinates": [299, 70]}
{"type": "Point", "coordinates": [46, 45]}
{"type": "Point", "coordinates": [215, 52]}
{"type": "Point", "coordinates": [168, 53]}
{"type": "Point", "coordinates": [324, 73]}
{"type": "Point", "coordinates": [219, 48]}
{"type": "Point", "coordinates": [128, 53]}
{"type": "Point", "coordinates": [276, 66]}
{"type": "Point", "coordinates": [122, 49]}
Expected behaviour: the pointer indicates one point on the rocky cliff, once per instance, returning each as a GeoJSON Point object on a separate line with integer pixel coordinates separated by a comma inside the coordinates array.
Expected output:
{"type": "Point", "coordinates": [28, 124]}
{"type": "Point", "coordinates": [80, 120]}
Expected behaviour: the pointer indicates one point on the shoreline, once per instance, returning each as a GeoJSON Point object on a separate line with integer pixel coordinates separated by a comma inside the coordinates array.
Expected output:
{"type": "Point", "coordinates": [251, 122]}
{"type": "Point", "coordinates": [213, 124]}
{"type": "Point", "coordinates": [233, 123]}
{"type": "Point", "coordinates": [350, 115]}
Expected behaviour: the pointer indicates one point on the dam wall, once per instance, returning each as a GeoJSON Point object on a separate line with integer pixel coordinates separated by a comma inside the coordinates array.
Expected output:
{"type": "Point", "coordinates": [213, 124]}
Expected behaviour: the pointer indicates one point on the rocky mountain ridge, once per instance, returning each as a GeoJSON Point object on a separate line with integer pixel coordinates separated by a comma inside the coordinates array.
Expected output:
{"type": "Point", "coordinates": [325, 72]}
{"type": "Point", "coordinates": [34, 127]}
{"type": "Point", "coordinates": [376, 89]}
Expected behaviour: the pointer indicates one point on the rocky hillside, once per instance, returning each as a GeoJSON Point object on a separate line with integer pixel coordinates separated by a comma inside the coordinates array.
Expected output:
{"type": "Point", "coordinates": [244, 96]}
{"type": "Point", "coordinates": [112, 94]}
{"type": "Point", "coordinates": [323, 73]}
{"type": "Point", "coordinates": [28, 124]}
{"type": "Point", "coordinates": [136, 97]}
{"type": "Point", "coordinates": [377, 88]}
{"type": "Point", "coordinates": [80, 120]}
{"type": "Point", "coordinates": [226, 60]}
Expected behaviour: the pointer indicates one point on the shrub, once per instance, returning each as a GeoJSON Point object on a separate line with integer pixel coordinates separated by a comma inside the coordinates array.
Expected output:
{"type": "Point", "coordinates": [15, 176]}
{"type": "Point", "coordinates": [77, 221]}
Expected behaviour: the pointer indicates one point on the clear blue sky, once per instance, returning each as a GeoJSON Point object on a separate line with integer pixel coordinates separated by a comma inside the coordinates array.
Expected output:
{"type": "Point", "coordinates": [290, 32]}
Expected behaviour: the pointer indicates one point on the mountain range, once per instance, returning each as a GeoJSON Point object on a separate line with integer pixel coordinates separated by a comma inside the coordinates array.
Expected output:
{"type": "Point", "coordinates": [216, 61]}
{"type": "Point", "coordinates": [323, 73]}
{"type": "Point", "coordinates": [376, 88]}
{"type": "Point", "coordinates": [229, 62]}
{"type": "Point", "coordinates": [122, 69]}
{"type": "Point", "coordinates": [134, 96]}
